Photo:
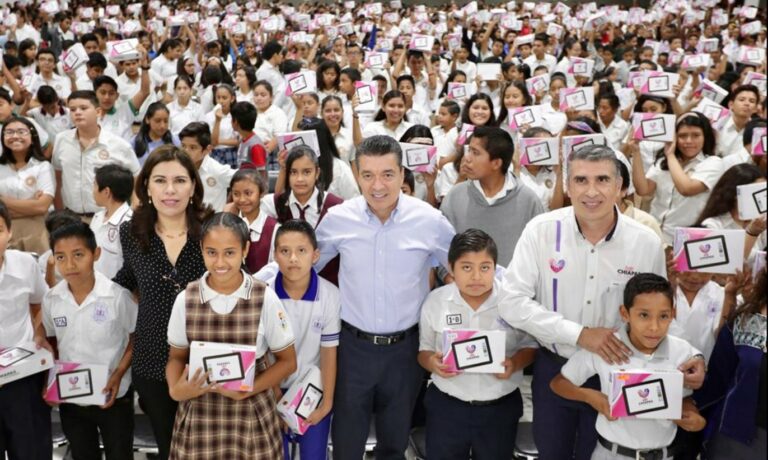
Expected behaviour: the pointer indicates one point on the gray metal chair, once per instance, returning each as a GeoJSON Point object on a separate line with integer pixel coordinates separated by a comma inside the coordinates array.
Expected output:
{"type": "Point", "coordinates": [525, 447]}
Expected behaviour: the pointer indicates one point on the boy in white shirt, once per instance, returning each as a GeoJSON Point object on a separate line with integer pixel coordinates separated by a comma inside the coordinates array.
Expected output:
{"type": "Point", "coordinates": [471, 411]}
{"type": "Point", "coordinates": [91, 320]}
{"type": "Point", "coordinates": [648, 311]}
{"type": "Point", "coordinates": [195, 139]}
{"type": "Point", "coordinates": [111, 190]}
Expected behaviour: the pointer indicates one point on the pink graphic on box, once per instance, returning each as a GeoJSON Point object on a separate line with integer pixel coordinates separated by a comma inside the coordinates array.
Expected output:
{"type": "Point", "coordinates": [637, 123]}
{"type": "Point", "coordinates": [466, 131]}
{"type": "Point", "coordinates": [449, 337]}
{"type": "Point", "coordinates": [52, 394]}
{"type": "Point", "coordinates": [248, 359]}
{"type": "Point", "coordinates": [429, 167]}
{"type": "Point", "coordinates": [758, 141]}
{"type": "Point", "coordinates": [302, 424]}
{"type": "Point", "coordinates": [526, 142]}
{"type": "Point", "coordinates": [619, 405]}
{"type": "Point", "coordinates": [688, 234]}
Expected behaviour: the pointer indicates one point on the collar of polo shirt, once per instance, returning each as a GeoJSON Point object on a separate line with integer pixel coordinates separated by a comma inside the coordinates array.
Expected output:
{"type": "Point", "coordinates": [661, 352]}
{"type": "Point", "coordinates": [309, 296]}
{"type": "Point", "coordinates": [616, 217]}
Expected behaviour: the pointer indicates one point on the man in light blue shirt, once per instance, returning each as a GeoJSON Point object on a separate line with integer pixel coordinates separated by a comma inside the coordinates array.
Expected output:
{"type": "Point", "coordinates": [388, 242]}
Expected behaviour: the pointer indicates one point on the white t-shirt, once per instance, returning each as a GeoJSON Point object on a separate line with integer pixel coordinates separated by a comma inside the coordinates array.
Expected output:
{"type": "Point", "coordinates": [21, 284]}
{"type": "Point", "coordinates": [700, 320]}
{"type": "Point", "coordinates": [108, 238]}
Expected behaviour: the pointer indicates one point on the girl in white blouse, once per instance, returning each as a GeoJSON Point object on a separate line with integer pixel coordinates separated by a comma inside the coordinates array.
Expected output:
{"type": "Point", "coordinates": [27, 184]}
{"type": "Point", "coordinates": [271, 120]}
{"type": "Point", "coordinates": [391, 119]}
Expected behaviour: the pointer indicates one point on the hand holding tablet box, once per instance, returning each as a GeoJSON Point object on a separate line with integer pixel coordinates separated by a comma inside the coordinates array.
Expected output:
{"type": "Point", "coordinates": [653, 127]}
{"type": "Point", "coordinates": [751, 55]}
{"type": "Point", "coordinates": [757, 79]}
{"type": "Point", "coordinates": [659, 84]}
{"type": "Point", "coordinates": [232, 366]}
{"type": "Point", "coordinates": [709, 251]}
{"type": "Point", "coordinates": [76, 383]}
{"type": "Point", "coordinates": [301, 83]}
{"type": "Point", "coordinates": [715, 113]}
{"type": "Point", "coordinates": [581, 67]}
{"type": "Point", "coordinates": [526, 117]}
{"type": "Point", "coordinates": [418, 157]}
{"type": "Point", "coordinates": [539, 151]}
{"type": "Point", "coordinates": [534, 85]}
{"type": "Point", "coordinates": [711, 90]}
{"type": "Point", "coordinates": [123, 50]}
{"type": "Point", "coordinates": [366, 97]}
{"type": "Point", "coordinates": [304, 396]}
{"type": "Point", "coordinates": [459, 91]}
{"type": "Point", "coordinates": [751, 200]}
{"type": "Point", "coordinates": [694, 61]}
{"type": "Point", "coordinates": [293, 139]}
{"type": "Point", "coordinates": [74, 57]}
{"type": "Point", "coordinates": [473, 351]}
{"type": "Point", "coordinates": [421, 43]}
{"type": "Point", "coordinates": [489, 72]}
{"type": "Point", "coordinates": [22, 361]}
{"type": "Point", "coordinates": [646, 393]}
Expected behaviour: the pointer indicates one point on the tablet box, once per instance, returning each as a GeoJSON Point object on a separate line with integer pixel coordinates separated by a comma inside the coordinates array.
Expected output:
{"type": "Point", "coordinates": [646, 393]}
{"type": "Point", "coordinates": [418, 157]}
{"type": "Point", "coordinates": [293, 139]}
{"type": "Point", "coordinates": [301, 399]}
{"type": "Point", "coordinates": [709, 251]}
{"type": "Point", "coordinates": [751, 199]}
{"type": "Point", "coordinates": [232, 366]}
{"type": "Point", "coordinates": [123, 50]}
{"type": "Point", "coordinates": [75, 383]}
{"type": "Point", "coordinates": [23, 360]}
{"type": "Point", "coordinates": [539, 151]}
{"type": "Point", "coordinates": [474, 351]}
{"type": "Point", "coordinates": [653, 126]}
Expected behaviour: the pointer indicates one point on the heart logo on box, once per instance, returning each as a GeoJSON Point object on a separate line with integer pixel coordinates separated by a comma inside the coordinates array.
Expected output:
{"type": "Point", "coordinates": [705, 248]}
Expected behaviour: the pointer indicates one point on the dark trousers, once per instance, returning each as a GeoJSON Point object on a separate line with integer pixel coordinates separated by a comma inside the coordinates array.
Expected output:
{"type": "Point", "coordinates": [83, 424]}
{"type": "Point", "coordinates": [456, 428]}
{"type": "Point", "coordinates": [380, 381]}
{"type": "Point", "coordinates": [156, 402]}
{"type": "Point", "coordinates": [25, 420]}
{"type": "Point", "coordinates": [562, 429]}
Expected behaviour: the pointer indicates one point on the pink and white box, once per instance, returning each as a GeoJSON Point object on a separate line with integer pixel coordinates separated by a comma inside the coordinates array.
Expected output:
{"type": "Point", "coordinates": [759, 141]}
{"type": "Point", "coordinates": [465, 133]}
{"type": "Point", "coordinates": [573, 143]}
{"type": "Point", "coordinates": [526, 117]}
{"type": "Point", "coordinates": [421, 42]}
{"type": "Point", "coordinates": [123, 50]}
{"type": "Point", "coordinates": [710, 90]}
{"type": "Point", "coordinates": [300, 83]}
{"type": "Point", "coordinates": [23, 360]}
{"type": "Point", "coordinates": [715, 113]}
{"type": "Point", "coordinates": [419, 157]}
{"type": "Point", "coordinates": [646, 393]}
{"type": "Point", "coordinates": [293, 139]}
{"type": "Point", "coordinates": [659, 83]}
{"type": "Point", "coordinates": [537, 84]}
{"type": "Point", "coordinates": [653, 127]}
{"type": "Point", "coordinates": [366, 96]}
{"type": "Point", "coordinates": [539, 151]}
{"type": "Point", "coordinates": [303, 397]}
{"type": "Point", "coordinates": [473, 351]}
{"type": "Point", "coordinates": [757, 79]}
{"type": "Point", "coordinates": [751, 200]}
{"type": "Point", "coordinates": [581, 98]}
{"type": "Point", "coordinates": [232, 366]}
{"type": "Point", "coordinates": [459, 91]}
{"type": "Point", "coordinates": [77, 383]}
{"type": "Point", "coordinates": [708, 251]}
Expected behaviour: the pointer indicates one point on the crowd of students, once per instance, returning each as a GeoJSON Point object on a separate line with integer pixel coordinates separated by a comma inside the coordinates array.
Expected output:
{"type": "Point", "coordinates": [149, 202]}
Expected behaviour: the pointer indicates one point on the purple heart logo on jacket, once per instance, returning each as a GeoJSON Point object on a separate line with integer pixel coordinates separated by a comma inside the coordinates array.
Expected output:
{"type": "Point", "coordinates": [556, 265]}
{"type": "Point", "coordinates": [705, 248]}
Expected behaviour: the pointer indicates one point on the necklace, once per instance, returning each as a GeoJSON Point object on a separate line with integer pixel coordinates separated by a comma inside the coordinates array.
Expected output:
{"type": "Point", "coordinates": [171, 236]}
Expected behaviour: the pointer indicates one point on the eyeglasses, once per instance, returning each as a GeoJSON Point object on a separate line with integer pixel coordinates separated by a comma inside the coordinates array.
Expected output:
{"type": "Point", "coordinates": [16, 132]}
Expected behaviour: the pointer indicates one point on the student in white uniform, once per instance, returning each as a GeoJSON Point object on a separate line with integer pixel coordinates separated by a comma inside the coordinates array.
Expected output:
{"type": "Point", "coordinates": [313, 306]}
{"type": "Point", "coordinates": [52, 114]}
{"type": "Point", "coordinates": [117, 116]}
{"type": "Point", "coordinates": [390, 119]}
{"type": "Point", "coordinates": [613, 127]}
{"type": "Point", "coordinates": [22, 288]}
{"type": "Point", "coordinates": [467, 412]}
{"type": "Point", "coordinates": [648, 311]}
{"type": "Point", "coordinates": [271, 120]}
{"type": "Point", "coordinates": [92, 320]}
{"type": "Point", "coordinates": [183, 109]}
{"type": "Point", "coordinates": [195, 139]}
{"type": "Point", "coordinates": [112, 188]}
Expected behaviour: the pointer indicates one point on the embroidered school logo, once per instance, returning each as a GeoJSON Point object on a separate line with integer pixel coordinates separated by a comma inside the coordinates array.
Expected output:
{"type": "Point", "coordinates": [112, 234]}
{"type": "Point", "coordinates": [453, 320]}
{"type": "Point", "coordinates": [103, 155]}
{"type": "Point", "coordinates": [283, 320]}
{"type": "Point", "coordinates": [556, 265]}
{"type": "Point", "coordinates": [30, 181]}
{"type": "Point", "coordinates": [60, 321]}
{"type": "Point", "coordinates": [471, 350]}
{"type": "Point", "coordinates": [211, 182]}
{"type": "Point", "coordinates": [317, 324]}
{"type": "Point", "coordinates": [548, 183]}
{"type": "Point", "coordinates": [99, 313]}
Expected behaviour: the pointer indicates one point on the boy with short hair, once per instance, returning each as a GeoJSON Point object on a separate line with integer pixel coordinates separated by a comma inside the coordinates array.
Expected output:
{"type": "Point", "coordinates": [471, 412]}
{"type": "Point", "coordinates": [251, 149]}
{"type": "Point", "coordinates": [648, 311]}
{"type": "Point", "coordinates": [195, 139]}
{"type": "Point", "coordinates": [112, 190]}
{"type": "Point", "coordinates": [445, 131]}
{"type": "Point", "coordinates": [91, 320]}
{"type": "Point", "coordinates": [118, 116]}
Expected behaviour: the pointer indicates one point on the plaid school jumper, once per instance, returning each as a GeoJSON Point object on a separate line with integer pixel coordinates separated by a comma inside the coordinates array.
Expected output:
{"type": "Point", "coordinates": [215, 427]}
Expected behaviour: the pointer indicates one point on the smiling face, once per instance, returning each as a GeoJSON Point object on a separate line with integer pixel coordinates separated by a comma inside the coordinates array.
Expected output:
{"type": "Point", "coordinates": [302, 177]}
{"type": "Point", "coordinates": [170, 188]}
{"type": "Point", "coordinates": [380, 178]}
{"type": "Point", "coordinates": [17, 137]}
{"type": "Point", "coordinates": [690, 141]}
{"type": "Point", "coordinates": [513, 97]}
{"type": "Point", "coordinates": [479, 113]}
{"type": "Point", "coordinates": [247, 197]}
{"type": "Point", "coordinates": [394, 109]}
{"type": "Point", "coordinates": [295, 256]}
{"type": "Point", "coordinates": [473, 273]}
{"type": "Point", "coordinates": [332, 113]}
{"type": "Point", "coordinates": [649, 319]}
{"type": "Point", "coordinates": [223, 254]}
{"type": "Point", "coordinates": [593, 187]}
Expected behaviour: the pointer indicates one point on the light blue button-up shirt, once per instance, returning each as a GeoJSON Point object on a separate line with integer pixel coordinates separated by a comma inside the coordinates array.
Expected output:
{"type": "Point", "coordinates": [384, 274]}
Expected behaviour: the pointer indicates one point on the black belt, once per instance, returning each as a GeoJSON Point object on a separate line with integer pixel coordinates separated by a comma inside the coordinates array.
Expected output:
{"type": "Point", "coordinates": [489, 402]}
{"type": "Point", "coordinates": [640, 454]}
{"type": "Point", "coordinates": [82, 214]}
{"type": "Point", "coordinates": [381, 339]}
{"type": "Point", "coordinates": [554, 356]}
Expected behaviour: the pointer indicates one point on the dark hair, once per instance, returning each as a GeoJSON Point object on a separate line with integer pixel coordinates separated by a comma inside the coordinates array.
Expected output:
{"type": "Point", "coordinates": [76, 229]}
{"type": "Point", "coordinates": [328, 150]}
{"type": "Point", "coordinates": [270, 49]}
{"type": "Point", "coordinates": [229, 221]}
{"type": "Point", "coordinates": [181, 71]}
{"type": "Point", "coordinates": [252, 175]}
{"type": "Point", "coordinates": [118, 178]}
{"type": "Point", "coordinates": [695, 120]}
{"type": "Point", "coordinates": [643, 98]}
{"type": "Point", "coordinates": [624, 173]}
{"type": "Point", "coordinates": [498, 144]}
{"type": "Point", "coordinates": [393, 94]}
{"type": "Point", "coordinates": [250, 75]}
{"type": "Point", "coordinates": [749, 129]}
{"type": "Point", "coordinates": [452, 107]}
{"type": "Point", "coordinates": [472, 240]}
{"type": "Point", "coordinates": [406, 77]}
{"type": "Point", "coordinates": [722, 199]}
{"type": "Point", "coordinates": [10, 61]}
{"type": "Point", "coordinates": [409, 179]}
{"type": "Point", "coordinates": [25, 44]}
{"type": "Point", "coordinates": [101, 80]}
{"type": "Point", "coordinates": [754, 300]}
{"type": "Point", "coordinates": [47, 95]}
{"type": "Point", "coordinates": [96, 59]}
{"type": "Point", "coordinates": [520, 85]}
{"type": "Point", "coordinates": [59, 218]}
{"type": "Point", "coordinates": [586, 120]}
{"type": "Point", "coordinates": [479, 97]}
{"type": "Point", "coordinates": [331, 98]}
{"type": "Point", "coordinates": [352, 74]}
{"type": "Point", "coordinates": [325, 65]}
{"type": "Point", "coordinates": [86, 94]}
{"type": "Point", "coordinates": [199, 130]}
{"type": "Point", "coordinates": [142, 140]}
{"type": "Point", "coordinates": [244, 113]}
{"type": "Point", "coordinates": [746, 88]}
{"type": "Point", "coordinates": [145, 215]}
{"type": "Point", "coordinates": [168, 44]}
{"type": "Point", "coordinates": [5, 215]}
{"type": "Point", "coordinates": [646, 283]}
{"type": "Point", "coordinates": [282, 201]}
{"type": "Point", "coordinates": [378, 146]}
{"type": "Point", "coordinates": [536, 130]}
{"type": "Point", "coordinates": [267, 85]}
{"type": "Point", "coordinates": [34, 151]}
{"type": "Point", "coordinates": [6, 96]}
{"type": "Point", "coordinates": [88, 37]}
{"type": "Point", "coordinates": [299, 226]}
{"type": "Point", "coordinates": [417, 131]}
{"type": "Point", "coordinates": [613, 100]}
{"type": "Point", "coordinates": [451, 78]}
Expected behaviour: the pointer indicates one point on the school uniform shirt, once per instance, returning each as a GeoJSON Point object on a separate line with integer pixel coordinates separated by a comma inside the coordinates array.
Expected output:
{"type": "Point", "coordinates": [445, 181]}
{"type": "Point", "coordinates": [256, 228]}
{"type": "Point", "coordinates": [634, 433]}
{"type": "Point", "coordinates": [445, 141]}
{"type": "Point", "coordinates": [738, 157]}
{"type": "Point", "coordinates": [225, 127]}
{"type": "Point", "coordinates": [315, 319]}
{"type": "Point", "coordinates": [614, 133]}
{"type": "Point", "coordinates": [417, 116]}
{"type": "Point", "coordinates": [21, 284]}
{"type": "Point", "coordinates": [445, 309]}
{"type": "Point", "coordinates": [343, 184]}
{"type": "Point", "coordinates": [272, 74]}
{"type": "Point", "coordinates": [52, 124]}
{"type": "Point", "coordinates": [119, 119]}
{"type": "Point", "coordinates": [275, 331]}
{"type": "Point", "coordinates": [700, 320]}
{"type": "Point", "coordinates": [469, 68]}
{"type": "Point", "coordinates": [729, 139]}
{"type": "Point", "coordinates": [60, 83]}
{"type": "Point", "coordinates": [345, 145]}
{"type": "Point", "coordinates": [641, 216]}
{"type": "Point", "coordinates": [78, 167]}
{"type": "Point", "coordinates": [558, 282]}
{"type": "Point", "coordinates": [182, 116]}
{"type": "Point", "coordinates": [311, 210]}
{"type": "Point", "coordinates": [549, 61]}
{"type": "Point", "coordinates": [244, 97]}
{"type": "Point", "coordinates": [375, 128]}
{"type": "Point", "coordinates": [215, 177]}
{"type": "Point", "coordinates": [35, 176]}
{"type": "Point", "coordinates": [108, 238]}
{"type": "Point", "coordinates": [84, 82]}
{"type": "Point", "coordinates": [164, 67]}
{"type": "Point", "coordinates": [669, 206]}
{"type": "Point", "coordinates": [270, 123]}
{"type": "Point", "coordinates": [97, 330]}
{"type": "Point", "coordinates": [152, 145]}
{"type": "Point", "coordinates": [129, 88]}
{"type": "Point", "coordinates": [542, 183]}
{"type": "Point", "coordinates": [649, 151]}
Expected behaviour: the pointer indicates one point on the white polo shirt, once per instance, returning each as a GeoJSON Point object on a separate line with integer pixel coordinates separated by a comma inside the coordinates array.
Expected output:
{"type": "Point", "coordinates": [21, 284]}
{"type": "Point", "coordinates": [271, 123]}
{"type": "Point", "coordinates": [375, 128]}
{"type": "Point", "coordinates": [701, 319]}
{"type": "Point", "coordinates": [315, 318]}
{"type": "Point", "coordinates": [445, 308]}
{"type": "Point", "coordinates": [256, 228]}
{"type": "Point", "coordinates": [275, 332]}
{"type": "Point", "coordinates": [729, 139]}
{"type": "Point", "coordinates": [343, 184]}
{"type": "Point", "coordinates": [542, 184]}
{"type": "Point", "coordinates": [311, 213]}
{"type": "Point", "coordinates": [35, 176]}
{"type": "Point", "coordinates": [445, 141]}
{"type": "Point", "coordinates": [225, 127]}
{"type": "Point", "coordinates": [345, 145]}
{"type": "Point", "coordinates": [616, 132]}
{"type": "Point", "coordinates": [119, 119]}
{"type": "Point", "coordinates": [669, 206]}
{"type": "Point", "coordinates": [60, 83]}
{"type": "Point", "coordinates": [558, 282]}
{"type": "Point", "coordinates": [108, 238]}
{"type": "Point", "coordinates": [97, 330]}
{"type": "Point", "coordinates": [182, 116]}
{"type": "Point", "coordinates": [78, 167]}
{"type": "Point", "coordinates": [549, 61]}
{"type": "Point", "coordinates": [632, 432]}
{"type": "Point", "coordinates": [52, 124]}
{"type": "Point", "coordinates": [216, 178]}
